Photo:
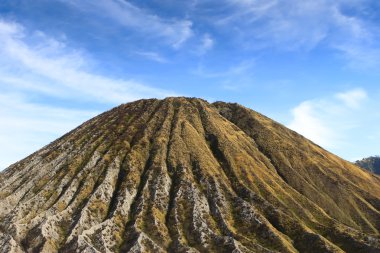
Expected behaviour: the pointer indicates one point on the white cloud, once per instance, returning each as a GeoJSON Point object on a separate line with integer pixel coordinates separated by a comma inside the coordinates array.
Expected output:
{"type": "Point", "coordinates": [207, 43]}
{"type": "Point", "coordinates": [360, 55]}
{"type": "Point", "coordinates": [26, 126]}
{"type": "Point", "coordinates": [307, 122]}
{"type": "Point", "coordinates": [7, 29]}
{"type": "Point", "coordinates": [284, 24]}
{"type": "Point", "coordinates": [235, 77]}
{"type": "Point", "coordinates": [153, 56]}
{"type": "Point", "coordinates": [353, 98]}
{"type": "Point", "coordinates": [52, 67]}
{"type": "Point", "coordinates": [295, 25]}
{"type": "Point", "coordinates": [342, 123]}
{"type": "Point", "coordinates": [34, 65]}
{"type": "Point", "coordinates": [175, 32]}
{"type": "Point", "coordinates": [241, 68]}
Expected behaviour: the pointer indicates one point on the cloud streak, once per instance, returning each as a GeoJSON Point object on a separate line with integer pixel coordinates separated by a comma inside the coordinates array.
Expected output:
{"type": "Point", "coordinates": [27, 126]}
{"type": "Point", "coordinates": [335, 122]}
{"type": "Point", "coordinates": [308, 122]}
{"type": "Point", "coordinates": [36, 69]}
{"type": "Point", "coordinates": [49, 66]}
{"type": "Point", "coordinates": [207, 43]}
{"type": "Point", "coordinates": [153, 56]}
{"type": "Point", "coordinates": [353, 98]}
{"type": "Point", "coordinates": [174, 32]}
{"type": "Point", "coordinates": [304, 25]}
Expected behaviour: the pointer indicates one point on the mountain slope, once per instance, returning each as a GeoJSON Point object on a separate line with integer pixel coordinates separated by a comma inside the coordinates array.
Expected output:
{"type": "Point", "coordinates": [183, 175]}
{"type": "Point", "coordinates": [371, 163]}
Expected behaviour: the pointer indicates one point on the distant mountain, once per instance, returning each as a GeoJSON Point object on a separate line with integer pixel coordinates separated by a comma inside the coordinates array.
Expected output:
{"type": "Point", "coordinates": [184, 175]}
{"type": "Point", "coordinates": [371, 163]}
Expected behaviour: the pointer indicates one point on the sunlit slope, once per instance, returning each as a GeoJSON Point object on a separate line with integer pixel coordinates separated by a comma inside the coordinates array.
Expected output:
{"type": "Point", "coordinates": [183, 175]}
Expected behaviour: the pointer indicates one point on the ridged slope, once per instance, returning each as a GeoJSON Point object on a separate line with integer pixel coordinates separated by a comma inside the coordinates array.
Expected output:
{"type": "Point", "coordinates": [183, 175]}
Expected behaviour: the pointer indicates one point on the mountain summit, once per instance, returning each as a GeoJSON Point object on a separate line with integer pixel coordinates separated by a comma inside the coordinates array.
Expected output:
{"type": "Point", "coordinates": [183, 175]}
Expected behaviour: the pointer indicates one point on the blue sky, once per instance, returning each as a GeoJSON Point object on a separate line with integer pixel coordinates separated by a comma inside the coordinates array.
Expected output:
{"type": "Point", "coordinates": [312, 65]}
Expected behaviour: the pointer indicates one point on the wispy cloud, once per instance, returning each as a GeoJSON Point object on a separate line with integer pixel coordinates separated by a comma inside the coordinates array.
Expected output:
{"type": "Point", "coordinates": [338, 121]}
{"type": "Point", "coordinates": [241, 68]}
{"type": "Point", "coordinates": [35, 71]}
{"type": "Point", "coordinates": [207, 43]}
{"type": "Point", "coordinates": [353, 98]}
{"type": "Point", "coordinates": [153, 56]}
{"type": "Point", "coordinates": [304, 25]}
{"type": "Point", "coordinates": [283, 24]}
{"type": "Point", "coordinates": [234, 77]}
{"type": "Point", "coordinates": [172, 31]}
{"type": "Point", "coordinates": [308, 121]}
{"type": "Point", "coordinates": [49, 66]}
{"type": "Point", "coordinates": [26, 127]}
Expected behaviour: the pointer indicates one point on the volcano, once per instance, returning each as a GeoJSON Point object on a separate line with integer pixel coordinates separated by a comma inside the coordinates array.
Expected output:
{"type": "Point", "coordinates": [184, 175]}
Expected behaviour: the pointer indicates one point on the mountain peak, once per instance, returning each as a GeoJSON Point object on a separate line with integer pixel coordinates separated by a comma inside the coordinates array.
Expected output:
{"type": "Point", "coordinates": [183, 175]}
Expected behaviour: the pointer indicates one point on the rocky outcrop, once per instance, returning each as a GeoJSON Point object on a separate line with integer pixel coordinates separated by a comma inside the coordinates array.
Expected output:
{"type": "Point", "coordinates": [183, 175]}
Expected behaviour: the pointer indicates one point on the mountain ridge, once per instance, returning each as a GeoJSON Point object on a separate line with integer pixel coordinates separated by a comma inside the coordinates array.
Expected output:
{"type": "Point", "coordinates": [371, 163]}
{"type": "Point", "coordinates": [183, 175]}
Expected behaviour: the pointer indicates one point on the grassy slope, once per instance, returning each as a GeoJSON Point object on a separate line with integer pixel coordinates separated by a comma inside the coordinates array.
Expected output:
{"type": "Point", "coordinates": [181, 174]}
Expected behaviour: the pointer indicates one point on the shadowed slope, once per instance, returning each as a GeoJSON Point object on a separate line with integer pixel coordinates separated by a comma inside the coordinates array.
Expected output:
{"type": "Point", "coordinates": [371, 163]}
{"type": "Point", "coordinates": [182, 175]}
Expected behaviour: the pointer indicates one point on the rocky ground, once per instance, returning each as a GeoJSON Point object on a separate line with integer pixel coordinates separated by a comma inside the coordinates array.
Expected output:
{"type": "Point", "coordinates": [183, 175]}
